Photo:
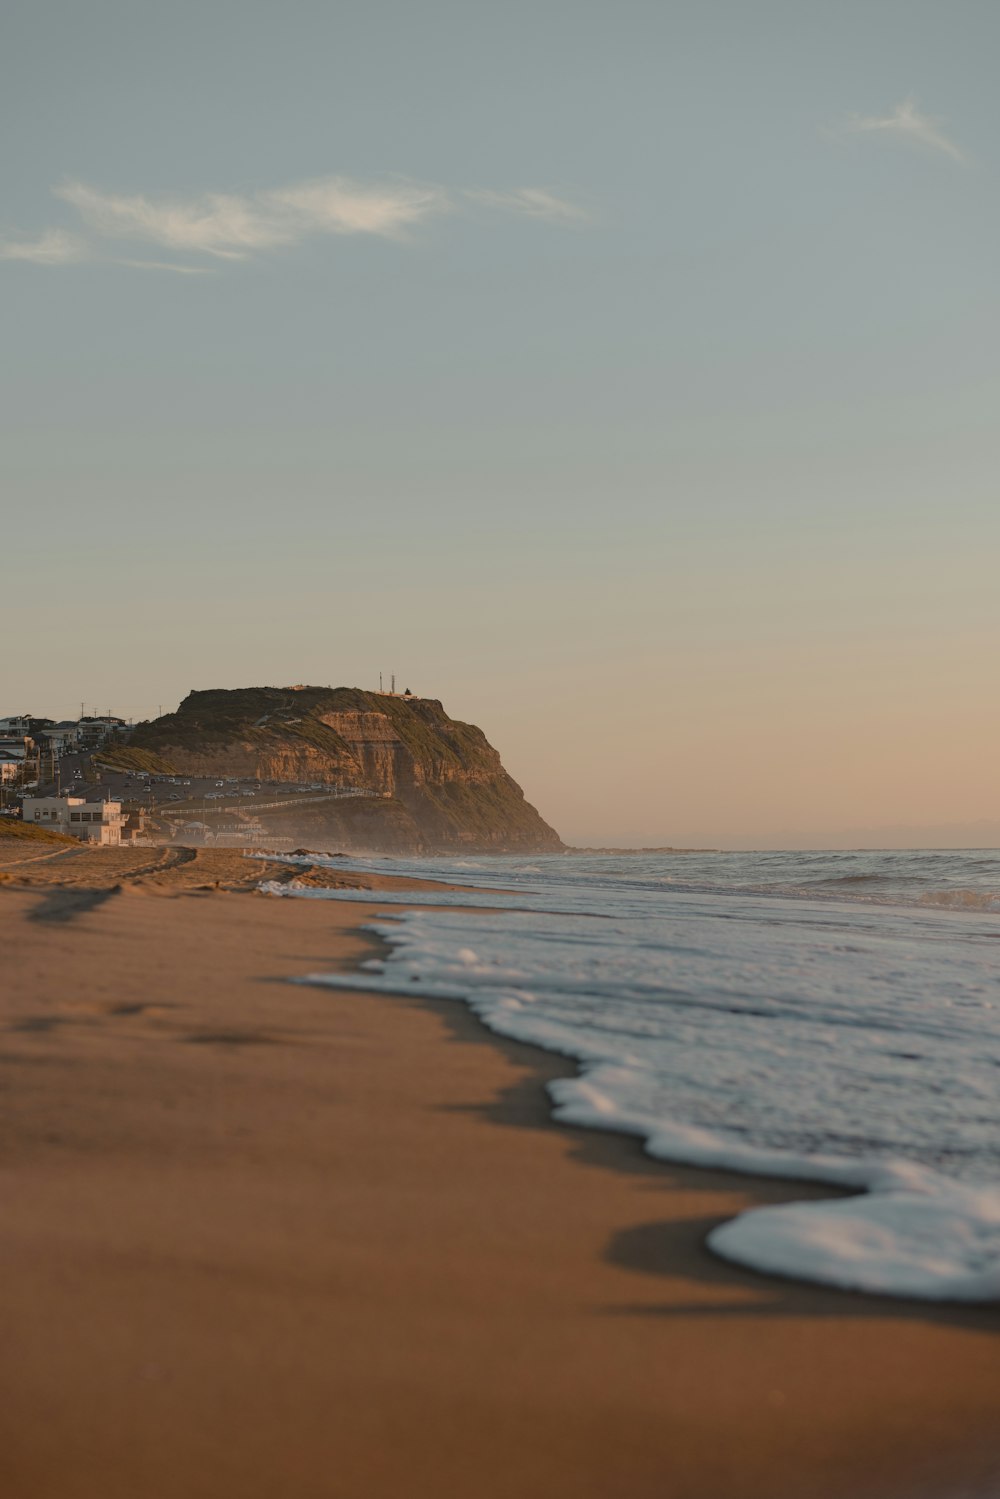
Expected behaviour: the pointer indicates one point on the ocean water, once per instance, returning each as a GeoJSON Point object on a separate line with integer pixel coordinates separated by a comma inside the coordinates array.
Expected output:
{"type": "Point", "coordinates": [823, 1016]}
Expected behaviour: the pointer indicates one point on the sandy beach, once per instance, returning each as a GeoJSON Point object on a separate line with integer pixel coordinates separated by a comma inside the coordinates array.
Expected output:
{"type": "Point", "coordinates": [267, 1239]}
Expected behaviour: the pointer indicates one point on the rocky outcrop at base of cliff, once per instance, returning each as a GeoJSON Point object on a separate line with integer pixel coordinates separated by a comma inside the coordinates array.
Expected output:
{"type": "Point", "coordinates": [436, 785]}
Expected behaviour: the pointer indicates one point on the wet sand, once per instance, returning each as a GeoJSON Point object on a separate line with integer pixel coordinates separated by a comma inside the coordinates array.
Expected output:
{"type": "Point", "coordinates": [262, 1239]}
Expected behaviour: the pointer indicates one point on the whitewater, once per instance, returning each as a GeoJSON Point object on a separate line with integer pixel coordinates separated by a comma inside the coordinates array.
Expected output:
{"type": "Point", "coordinates": [833, 1017]}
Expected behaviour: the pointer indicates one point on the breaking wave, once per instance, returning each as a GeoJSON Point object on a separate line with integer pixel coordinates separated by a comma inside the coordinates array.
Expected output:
{"type": "Point", "coordinates": [825, 1017]}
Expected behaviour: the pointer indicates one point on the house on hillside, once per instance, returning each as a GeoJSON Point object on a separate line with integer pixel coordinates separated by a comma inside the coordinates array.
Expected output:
{"type": "Point", "coordinates": [94, 731]}
{"type": "Point", "coordinates": [16, 747]}
{"type": "Point", "coordinates": [10, 767]}
{"type": "Point", "coordinates": [61, 738]}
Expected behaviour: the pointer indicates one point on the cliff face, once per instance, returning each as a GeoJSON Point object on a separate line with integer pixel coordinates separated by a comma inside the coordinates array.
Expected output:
{"type": "Point", "coordinates": [441, 785]}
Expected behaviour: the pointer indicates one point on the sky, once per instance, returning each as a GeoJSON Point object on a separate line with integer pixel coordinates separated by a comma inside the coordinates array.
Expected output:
{"type": "Point", "coordinates": [624, 375]}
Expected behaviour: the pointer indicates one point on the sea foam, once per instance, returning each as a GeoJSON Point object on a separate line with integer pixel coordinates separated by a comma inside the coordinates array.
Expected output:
{"type": "Point", "coordinates": [758, 1030]}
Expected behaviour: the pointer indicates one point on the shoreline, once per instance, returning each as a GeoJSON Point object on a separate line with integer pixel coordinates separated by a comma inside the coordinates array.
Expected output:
{"type": "Point", "coordinates": [542, 1287]}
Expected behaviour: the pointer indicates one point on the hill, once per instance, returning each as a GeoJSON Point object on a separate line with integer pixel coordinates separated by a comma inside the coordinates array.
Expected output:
{"type": "Point", "coordinates": [12, 829]}
{"type": "Point", "coordinates": [432, 784]}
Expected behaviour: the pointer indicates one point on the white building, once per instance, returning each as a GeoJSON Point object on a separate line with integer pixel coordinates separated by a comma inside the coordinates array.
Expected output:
{"type": "Point", "coordinates": [93, 822]}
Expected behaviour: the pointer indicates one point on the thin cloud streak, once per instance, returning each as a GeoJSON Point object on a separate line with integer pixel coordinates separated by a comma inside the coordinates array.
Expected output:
{"type": "Point", "coordinates": [336, 205]}
{"type": "Point", "coordinates": [532, 202]}
{"type": "Point", "coordinates": [909, 124]}
{"type": "Point", "coordinates": [167, 265]}
{"type": "Point", "coordinates": [54, 247]}
{"type": "Point", "coordinates": [230, 226]}
{"type": "Point", "coordinates": [237, 226]}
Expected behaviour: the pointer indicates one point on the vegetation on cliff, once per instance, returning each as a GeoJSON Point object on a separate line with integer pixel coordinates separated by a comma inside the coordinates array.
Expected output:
{"type": "Point", "coordinates": [130, 757]}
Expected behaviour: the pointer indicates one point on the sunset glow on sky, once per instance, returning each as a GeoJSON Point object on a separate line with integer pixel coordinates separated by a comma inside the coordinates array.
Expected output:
{"type": "Point", "coordinates": [624, 376]}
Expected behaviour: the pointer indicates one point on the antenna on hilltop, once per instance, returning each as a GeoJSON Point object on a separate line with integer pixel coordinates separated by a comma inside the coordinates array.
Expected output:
{"type": "Point", "coordinates": [394, 683]}
{"type": "Point", "coordinates": [380, 681]}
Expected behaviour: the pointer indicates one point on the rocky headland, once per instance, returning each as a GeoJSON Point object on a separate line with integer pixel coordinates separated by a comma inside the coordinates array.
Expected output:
{"type": "Point", "coordinates": [433, 784]}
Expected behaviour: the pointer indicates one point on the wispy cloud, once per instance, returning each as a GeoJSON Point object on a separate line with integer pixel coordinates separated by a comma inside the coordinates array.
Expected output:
{"type": "Point", "coordinates": [533, 202]}
{"type": "Point", "coordinates": [167, 265]}
{"type": "Point", "coordinates": [237, 226]}
{"type": "Point", "coordinates": [54, 247]}
{"type": "Point", "coordinates": [908, 124]}
{"type": "Point", "coordinates": [335, 205]}
{"type": "Point", "coordinates": [232, 225]}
